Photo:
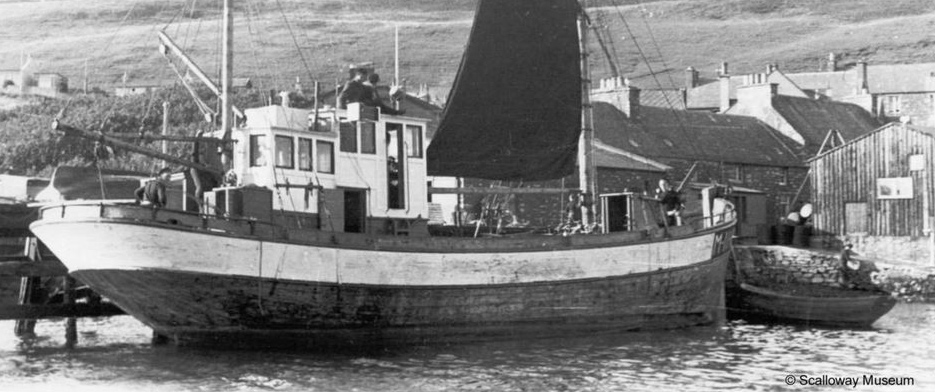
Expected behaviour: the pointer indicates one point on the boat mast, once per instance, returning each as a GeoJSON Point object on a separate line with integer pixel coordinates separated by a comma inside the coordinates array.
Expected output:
{"type": "Point", "coordinates": [227, 70]}
{"type": "Point", "coordinates": [586, 180]}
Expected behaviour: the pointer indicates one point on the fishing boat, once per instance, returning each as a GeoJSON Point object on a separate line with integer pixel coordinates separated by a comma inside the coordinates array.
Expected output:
{"type": "Point", "coordinates": [318, 234]}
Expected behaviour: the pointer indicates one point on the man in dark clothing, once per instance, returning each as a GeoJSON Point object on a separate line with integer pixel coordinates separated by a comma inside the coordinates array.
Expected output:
{"type": "Point", "coordinates": [671, 201]}
{"type": "Point", "coordinates": [154, 192]}
{"type": "Point", "coordinates": [375, 100]}
{"type": "Point", "coordinates": [355, 90]}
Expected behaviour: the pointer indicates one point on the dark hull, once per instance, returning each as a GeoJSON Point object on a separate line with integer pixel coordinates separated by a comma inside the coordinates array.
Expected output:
{"type": "Point", "coordinates": [232, 311]}
{"type": "Point", "coordinates": [847, 309]}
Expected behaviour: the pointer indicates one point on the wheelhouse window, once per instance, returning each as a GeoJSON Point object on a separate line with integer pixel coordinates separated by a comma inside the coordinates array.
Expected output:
{"type": "Point", "coordinates": [368, 138]}
{"type": "Point", "coordinates": [305, 154]}
{"type": "Point", "coordinates": [348, 132]}
{"type": "Point", "coordinates": [414, 141]}
{"type": "Point", "coordinates": [285, 152]}
{"type": "Point", "coordinates": [325, 156]}
{"type": "Point", "coordinates": [257, 150]}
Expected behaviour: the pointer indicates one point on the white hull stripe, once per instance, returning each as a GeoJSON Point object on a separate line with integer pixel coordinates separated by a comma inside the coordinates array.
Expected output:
{"type": "Point", "coordinates": [101, 245]}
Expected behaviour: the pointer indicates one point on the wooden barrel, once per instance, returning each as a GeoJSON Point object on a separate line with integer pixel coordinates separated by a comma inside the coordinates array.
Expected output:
{"type": "Point", "coordinates": [801, 236]}
{"type": "Point", "coordinates": [765, 235]}
{"type": "Point", "coordinates": [784, 234]}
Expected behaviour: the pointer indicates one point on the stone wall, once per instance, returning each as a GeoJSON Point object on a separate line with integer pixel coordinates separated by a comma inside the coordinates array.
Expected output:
{"type": "Point", "coordinates": [780, 189]}
{"type": "Point", "coordinates": [780, 264]}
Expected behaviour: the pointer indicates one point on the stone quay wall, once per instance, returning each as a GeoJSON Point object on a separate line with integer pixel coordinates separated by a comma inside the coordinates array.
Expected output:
{"type": "Point", "coordinates": [783, 264]}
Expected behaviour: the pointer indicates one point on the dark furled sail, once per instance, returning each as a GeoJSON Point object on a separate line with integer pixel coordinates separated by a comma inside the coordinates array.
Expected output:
{"type": "Point", "coordinates": [514, 111]}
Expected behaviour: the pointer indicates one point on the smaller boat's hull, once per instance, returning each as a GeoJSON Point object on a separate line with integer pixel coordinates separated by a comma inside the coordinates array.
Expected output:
{"type": "Point", "coordinates": [836, 307]}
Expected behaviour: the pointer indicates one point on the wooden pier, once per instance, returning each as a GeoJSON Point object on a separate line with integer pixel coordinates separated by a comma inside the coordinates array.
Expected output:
{"type": "Point", "coordinates": [45, 288]}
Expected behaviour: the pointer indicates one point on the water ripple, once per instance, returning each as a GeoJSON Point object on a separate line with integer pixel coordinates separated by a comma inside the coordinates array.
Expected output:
{"type": "Point", "coordinates": [115, 354]}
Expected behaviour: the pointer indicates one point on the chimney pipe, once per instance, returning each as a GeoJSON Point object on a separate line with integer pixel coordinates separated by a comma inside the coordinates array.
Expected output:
{"type": "Point", "coordinates": [691, 78]}
{"type": "Point", "coordinates": [832, 62]}
{"type": "Point", "coordinates": [862, 88]}
{"type": "Point", "coordinates": [725, 89]}
{"type": "Point", "coordinates": [633, 102]}
{"type": "Point", "coordinates": [284, 96]}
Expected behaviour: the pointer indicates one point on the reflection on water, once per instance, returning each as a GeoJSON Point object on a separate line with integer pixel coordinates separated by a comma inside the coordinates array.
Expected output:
{"type": "Point", "coordinates": [115, 354]}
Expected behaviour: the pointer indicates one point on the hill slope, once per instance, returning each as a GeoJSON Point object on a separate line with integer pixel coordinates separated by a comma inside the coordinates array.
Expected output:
{"type": "Point", "coordinates": [116, 37]}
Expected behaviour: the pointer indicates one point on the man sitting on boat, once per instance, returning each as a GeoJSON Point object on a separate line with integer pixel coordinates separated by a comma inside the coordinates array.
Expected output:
{"type": "Point", "coordinates": [375, 99]}
{"type": "Point", "coordinates": [154, 192]}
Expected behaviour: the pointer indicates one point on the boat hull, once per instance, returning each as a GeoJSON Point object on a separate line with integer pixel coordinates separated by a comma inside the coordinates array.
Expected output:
{"type": "Point", "coordinates": [211, 288]}
{"type": "Point", "coordinates": [851, 309]}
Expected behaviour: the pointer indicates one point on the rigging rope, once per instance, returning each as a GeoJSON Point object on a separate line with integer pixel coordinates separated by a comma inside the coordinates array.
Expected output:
{"type": "Point", "coordinates": [678, 118]}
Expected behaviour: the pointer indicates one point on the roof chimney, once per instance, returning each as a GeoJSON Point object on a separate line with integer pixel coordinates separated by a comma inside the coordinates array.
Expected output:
{"type": "Point", "coordinates": [691, 78]}
{"type": "Point", "coordinates": [832, 62]}
{"type": "Point", "coordinates": [618, 92]}
{"type": "Point", "coordinates": [632, 108]}
{"type": "Point", "coordinates": [284, 96]}
{"type": "Point", "coordinates": [298, 85]}
{"type": "Point", "coordinates": [725, 88]}
{"type": "Point", "coordinates": [862, 87]}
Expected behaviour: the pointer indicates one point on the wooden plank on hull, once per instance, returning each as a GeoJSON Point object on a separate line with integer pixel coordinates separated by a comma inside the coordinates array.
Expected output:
{"type": "Point", "coordinates": [19, 312]}
{"type": "Point", "coordinates": [32, 268]}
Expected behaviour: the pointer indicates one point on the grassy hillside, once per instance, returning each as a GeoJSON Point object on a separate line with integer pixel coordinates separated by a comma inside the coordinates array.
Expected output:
{"type": "Point", "coordinates": [118, 36]}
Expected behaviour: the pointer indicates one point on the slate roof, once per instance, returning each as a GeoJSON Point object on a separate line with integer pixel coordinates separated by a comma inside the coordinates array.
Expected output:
{"type": "Point", "coordinates": [665, 133]}
{"type": "Point", "coordinates": [662, 99]}
{"type": "Point", "coordinates": [607, 156]}
{"type": "Point", "coordinates": [814, 118]}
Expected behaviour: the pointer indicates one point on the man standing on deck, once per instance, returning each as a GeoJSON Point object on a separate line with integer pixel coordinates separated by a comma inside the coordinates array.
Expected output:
{"type": "Point", "coordinates": [671, 202]}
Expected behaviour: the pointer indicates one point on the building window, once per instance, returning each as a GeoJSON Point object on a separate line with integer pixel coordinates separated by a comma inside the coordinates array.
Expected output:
{"type": "Point", "coordinates": [305, 154]}
{"type": "Point", "coordinates": [733, 173]}
{"type": "Point", "coordinates": [893, 104]}
{"type": "Point", "coordinates": [325, 155]}
{"type": "Point", "coordinates": [414, 145]}
{"type": "Point", "coordinates": [348, 132]}
{"type": "Point", "coordinates": [257, 150]}
{"type": "Point", "coordinates": [368, 138]}
{"type": "Point", "coordinates": [783, 205]}
{"type": "Point", "coordinates": [285, 152]}
{"type": "Point", "coordinates": [784, 176]}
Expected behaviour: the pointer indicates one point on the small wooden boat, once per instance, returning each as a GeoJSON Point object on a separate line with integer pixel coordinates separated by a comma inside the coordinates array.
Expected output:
{"type": "Point", "coordinates": [812, 304]}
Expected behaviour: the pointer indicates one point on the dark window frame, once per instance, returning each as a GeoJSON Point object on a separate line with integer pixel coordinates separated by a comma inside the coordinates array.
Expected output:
{"type": "Point", "coordinates": [310, 143]}
{"type": "Point", "coordinates": [255, 148]}
{"type": "Point", "coordinates": [291, 160]}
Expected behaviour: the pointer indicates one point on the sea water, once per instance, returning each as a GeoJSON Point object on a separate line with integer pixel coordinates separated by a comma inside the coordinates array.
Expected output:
{"type": "Point", "coordinates": [115, 354]}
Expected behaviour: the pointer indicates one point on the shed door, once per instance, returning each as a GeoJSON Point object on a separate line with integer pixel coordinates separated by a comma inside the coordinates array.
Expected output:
{"type": "Point", "coordinates": [855, 218]}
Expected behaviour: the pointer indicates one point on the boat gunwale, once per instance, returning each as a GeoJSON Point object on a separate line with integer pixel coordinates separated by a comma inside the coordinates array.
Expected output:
{"type": "Point", "coordinates": [767, 292]}
{"type": "Point", "coordinates": [386, 243]}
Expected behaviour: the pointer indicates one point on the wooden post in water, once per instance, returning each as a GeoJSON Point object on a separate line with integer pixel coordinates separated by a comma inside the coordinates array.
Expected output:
{"type": "Point", "coordinates": [71, 323]}
{"type": "Point", "coordinates": [29, 290]}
